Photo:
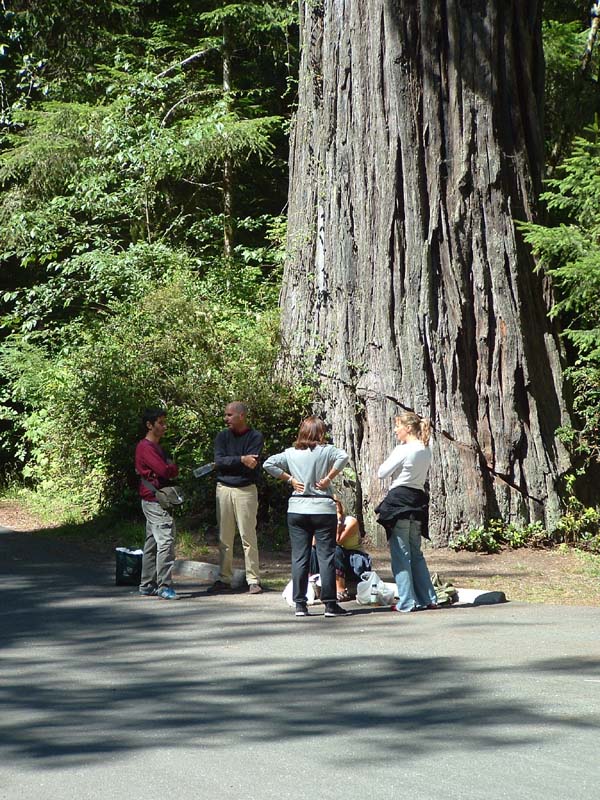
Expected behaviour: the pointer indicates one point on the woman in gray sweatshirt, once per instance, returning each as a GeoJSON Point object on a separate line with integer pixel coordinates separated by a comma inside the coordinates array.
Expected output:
{"type": "Point", "coordinates": [310, 467]}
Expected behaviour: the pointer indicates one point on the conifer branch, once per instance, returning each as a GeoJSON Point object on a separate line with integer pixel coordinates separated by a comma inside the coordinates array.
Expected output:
{"type": "Point", "coordinates": [186, 61]}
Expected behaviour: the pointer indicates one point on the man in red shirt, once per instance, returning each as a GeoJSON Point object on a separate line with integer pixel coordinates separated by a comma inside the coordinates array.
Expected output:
{"type": "Point", "coordinates": [152, 464]}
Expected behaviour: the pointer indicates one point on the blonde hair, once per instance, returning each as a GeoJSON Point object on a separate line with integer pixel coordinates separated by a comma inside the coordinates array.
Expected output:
{"type": "Point", "coordinates": [418, 426]}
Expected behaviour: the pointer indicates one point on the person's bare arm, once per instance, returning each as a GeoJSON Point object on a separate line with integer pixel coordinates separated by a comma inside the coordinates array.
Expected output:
{"type": "Point", "coordinates": [349, 530]}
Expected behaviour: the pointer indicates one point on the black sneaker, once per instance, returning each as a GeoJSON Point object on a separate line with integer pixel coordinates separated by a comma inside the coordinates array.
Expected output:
{"type": "Point", "coordinates": [335, 610]}
{"type": "Point", "coordinates": [302, 610]}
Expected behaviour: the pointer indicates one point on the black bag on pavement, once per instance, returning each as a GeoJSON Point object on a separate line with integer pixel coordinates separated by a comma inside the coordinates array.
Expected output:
{"type": "Point", "coordinates": [128, 565]}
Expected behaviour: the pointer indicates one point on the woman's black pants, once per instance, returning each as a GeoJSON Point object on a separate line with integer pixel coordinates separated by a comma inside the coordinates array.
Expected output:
{"type": "Point", "coordinates": [302, 528]}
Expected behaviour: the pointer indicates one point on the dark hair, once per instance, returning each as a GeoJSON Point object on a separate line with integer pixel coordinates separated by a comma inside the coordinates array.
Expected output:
{"type": "Point", "coordinates": [150, 415]}
{"type": "Point", "coordinates": [310, 433]}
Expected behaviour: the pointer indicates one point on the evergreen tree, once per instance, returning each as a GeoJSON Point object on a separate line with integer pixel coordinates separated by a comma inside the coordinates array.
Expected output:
{"type": "Point", "coordinates": [131, 154]}
{"type": "Point", "coordinates": [569, 252]}
{"type": "Point", "coordinates": [111, 172]}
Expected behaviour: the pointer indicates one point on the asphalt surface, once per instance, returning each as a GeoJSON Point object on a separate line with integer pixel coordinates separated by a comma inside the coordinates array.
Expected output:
{"type": "Point", "coordinates": [109, 695]}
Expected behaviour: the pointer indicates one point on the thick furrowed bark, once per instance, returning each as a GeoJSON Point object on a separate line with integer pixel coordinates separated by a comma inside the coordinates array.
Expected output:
{"type": "Point", "coordinates": [416, 147]}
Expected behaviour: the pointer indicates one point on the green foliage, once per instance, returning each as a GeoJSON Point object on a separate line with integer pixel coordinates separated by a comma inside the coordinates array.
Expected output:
{"type": "Point", "coordinates": [176, 347]}
{"type": "Point", "coordinates": [580, 528]}
{"type": "Point", "coordinates": [191, 545]}
{"type": "Point", "coordinates": [86, 186]}
{"type": "Point", "coordinates": [571, 97]}
{"type": "Point", "coordinates": [532, 535]}
{"type": "Point", "coordinates": [566, 10]}
{"type": "Point", "coordinates": [491, 538]}
{"type": "Point", "coordinates": [114, 291]}
{"type": "Point", "coordinates": [475, 540]}
{"type": "Point", "coordinates": [580, 525]}
{"type": "Point", "coordinates": [132, 149]}
{"type": "Point", "coordinates": [569, 100]}
{"type": "Point", "coordinates": [114, 133]}
{"type": "Point", "coordinates": [570, 253]}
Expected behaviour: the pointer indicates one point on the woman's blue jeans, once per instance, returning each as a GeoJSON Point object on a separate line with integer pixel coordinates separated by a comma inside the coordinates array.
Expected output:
{"type": "Point", "coordinates": [415, 589]}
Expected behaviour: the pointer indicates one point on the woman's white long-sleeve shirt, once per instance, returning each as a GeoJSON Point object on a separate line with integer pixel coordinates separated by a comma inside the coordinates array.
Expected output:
{"type": "Point", "coordinates": [413, 459]}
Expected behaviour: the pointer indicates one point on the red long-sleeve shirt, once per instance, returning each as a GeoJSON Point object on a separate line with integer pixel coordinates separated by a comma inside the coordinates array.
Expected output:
{"type": "Point", "coordinates": [151, 463]}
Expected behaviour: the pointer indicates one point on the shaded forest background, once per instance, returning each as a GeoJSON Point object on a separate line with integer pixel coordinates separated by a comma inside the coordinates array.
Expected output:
{"type": "Point", "coordinates": [143, 168]}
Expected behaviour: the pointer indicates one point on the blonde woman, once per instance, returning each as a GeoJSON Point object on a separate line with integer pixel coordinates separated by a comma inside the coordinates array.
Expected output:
{"type": "Point", "coordinates": [404, 511]}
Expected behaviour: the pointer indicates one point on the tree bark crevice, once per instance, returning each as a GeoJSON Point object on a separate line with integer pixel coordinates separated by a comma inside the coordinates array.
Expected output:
{"type": "Point", "coordinates": [414, 155]}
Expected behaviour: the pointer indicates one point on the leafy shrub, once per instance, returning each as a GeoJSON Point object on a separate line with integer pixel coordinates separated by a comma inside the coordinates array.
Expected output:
{"type": "Point", "coordinates": [491, 538]}
{"type": "Point", "coordinates": [476, 540]}
{"type": "Point", "coordinates": [177, 348]}
{"type": "Point", "coordinates": [532, 535]}
{"type": "Point", "coordinates": [580, 526]}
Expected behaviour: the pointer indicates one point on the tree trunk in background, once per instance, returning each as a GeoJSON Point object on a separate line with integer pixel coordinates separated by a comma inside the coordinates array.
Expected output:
{"type": "Point", "coordinates": [417, 144]}
{"type": "Point", "coordinates": [227, 162]}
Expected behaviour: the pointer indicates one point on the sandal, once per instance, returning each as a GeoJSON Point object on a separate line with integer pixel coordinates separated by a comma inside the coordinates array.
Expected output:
{"type": "Point", "coordinates": [343, 596]}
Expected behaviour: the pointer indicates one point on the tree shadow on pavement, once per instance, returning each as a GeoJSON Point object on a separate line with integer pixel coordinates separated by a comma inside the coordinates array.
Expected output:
{"type": "Point", "coordinates": [91, 673]}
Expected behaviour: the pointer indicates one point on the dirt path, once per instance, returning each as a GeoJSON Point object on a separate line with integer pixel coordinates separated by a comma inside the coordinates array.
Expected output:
{"type": "Point", "coordinates": [13, 516]}
{"type": "Point", "coordinates": [539, 576]}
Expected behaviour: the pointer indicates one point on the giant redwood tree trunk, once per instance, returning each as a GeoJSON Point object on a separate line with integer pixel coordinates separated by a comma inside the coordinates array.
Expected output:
{"type": "Point", "coordinates": [417, 146]}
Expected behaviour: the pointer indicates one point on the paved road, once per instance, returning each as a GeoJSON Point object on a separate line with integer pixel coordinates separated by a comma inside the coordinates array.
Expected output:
{"type": "Point", "coordinates": [108, 695]}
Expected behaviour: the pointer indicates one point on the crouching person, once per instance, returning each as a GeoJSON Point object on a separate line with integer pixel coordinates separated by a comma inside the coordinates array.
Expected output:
{"type": "Point", "coordinates": [350, 560]}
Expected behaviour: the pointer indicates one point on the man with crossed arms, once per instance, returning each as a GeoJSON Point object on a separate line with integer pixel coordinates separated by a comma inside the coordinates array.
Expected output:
{"type": "Point", "coordinates": [237, 450]}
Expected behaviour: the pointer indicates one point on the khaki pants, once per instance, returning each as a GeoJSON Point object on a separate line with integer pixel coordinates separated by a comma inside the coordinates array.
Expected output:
{"type": "Point", "coordinates": [238, 506]}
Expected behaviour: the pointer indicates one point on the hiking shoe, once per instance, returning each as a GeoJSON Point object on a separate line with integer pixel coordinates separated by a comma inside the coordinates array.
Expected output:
{"type": "Point", "coordinates": [147, 591]}
{"type": "Point", "coordinates": [255, 588]}
{"type": "Point", "coordinates": [335, 610]}
{"type": "Point", "coordinates": [219, 587]}
{"type": "Point", "coordinates": [302, 610]}
{"type": "Point", "coordinates": [167, 593]}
